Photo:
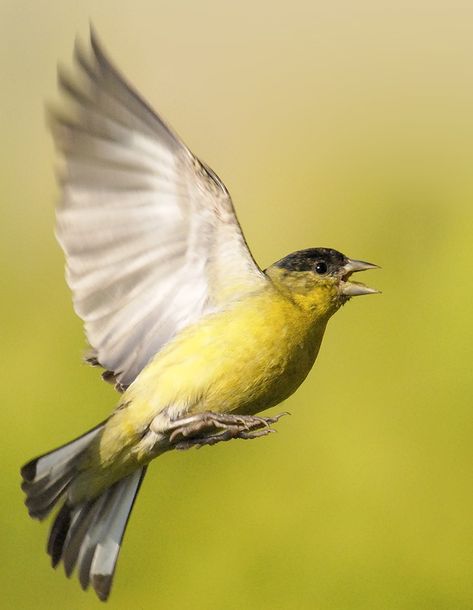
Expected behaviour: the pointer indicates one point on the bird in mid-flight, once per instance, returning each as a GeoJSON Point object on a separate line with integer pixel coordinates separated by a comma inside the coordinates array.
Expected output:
{"type": "Point", "coordinates": [192, 333]}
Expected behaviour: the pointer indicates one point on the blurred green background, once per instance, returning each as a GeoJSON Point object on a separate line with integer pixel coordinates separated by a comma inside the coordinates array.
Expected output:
{"type": "Point", "coordinates": [342, 124]}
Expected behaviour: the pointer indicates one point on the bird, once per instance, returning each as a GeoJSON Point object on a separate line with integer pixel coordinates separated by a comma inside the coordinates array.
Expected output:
{"type": "Point", "coordinates": [196, 338]}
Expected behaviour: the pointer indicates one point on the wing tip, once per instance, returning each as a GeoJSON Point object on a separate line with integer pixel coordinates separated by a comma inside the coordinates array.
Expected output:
{"type": "Point", "coordinates": [97, 48]}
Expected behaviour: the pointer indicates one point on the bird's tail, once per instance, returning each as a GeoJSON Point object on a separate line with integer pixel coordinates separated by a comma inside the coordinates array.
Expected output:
{"type": "Point", "coordinates": [89, 534]}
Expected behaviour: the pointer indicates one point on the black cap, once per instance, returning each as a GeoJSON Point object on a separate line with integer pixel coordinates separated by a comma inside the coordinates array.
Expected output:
{"type": "Point", "coordinates": [305, 260]}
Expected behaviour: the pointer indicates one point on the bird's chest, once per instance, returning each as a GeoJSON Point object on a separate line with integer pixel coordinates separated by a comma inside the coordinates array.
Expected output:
{"type": "Point", "coordinates": [244, 362]}
{"type": "Point", "coordinates": [261, 362]}
{"type": "Point", "coordinates": [273, 380]}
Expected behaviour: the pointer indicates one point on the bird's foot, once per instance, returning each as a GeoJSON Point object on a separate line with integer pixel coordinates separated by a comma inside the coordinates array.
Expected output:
{"type": "Point", "coordinates": [209, 428]}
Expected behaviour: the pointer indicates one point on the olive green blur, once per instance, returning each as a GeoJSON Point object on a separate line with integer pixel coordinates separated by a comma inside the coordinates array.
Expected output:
{"type": "Point", "coordinates": [340, 124]}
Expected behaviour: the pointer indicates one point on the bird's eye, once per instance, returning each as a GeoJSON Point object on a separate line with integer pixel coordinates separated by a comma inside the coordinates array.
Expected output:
{"type": "Point", "coordinates": [321, 268]}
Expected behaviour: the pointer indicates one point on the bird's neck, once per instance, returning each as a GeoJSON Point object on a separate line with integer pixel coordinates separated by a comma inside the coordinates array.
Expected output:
{"type": "Point", "coordinates": [312, 296]}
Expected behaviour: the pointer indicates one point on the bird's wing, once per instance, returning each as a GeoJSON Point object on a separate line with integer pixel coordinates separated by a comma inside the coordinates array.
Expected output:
{"type": "Point", "coordinates": [150, 235]}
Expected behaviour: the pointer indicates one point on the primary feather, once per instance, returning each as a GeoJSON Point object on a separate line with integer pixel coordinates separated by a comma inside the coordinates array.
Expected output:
{"type": "Point", "coordinates": [150, 235]}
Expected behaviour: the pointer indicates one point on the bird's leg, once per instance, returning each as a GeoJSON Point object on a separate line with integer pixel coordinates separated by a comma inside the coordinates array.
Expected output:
{"type": "Point", "coordinates": [209, 428]}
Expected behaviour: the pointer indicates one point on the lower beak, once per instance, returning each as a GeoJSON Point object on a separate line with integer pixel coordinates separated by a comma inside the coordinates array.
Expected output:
{"type": "Point", "coordinates": [353, 289]}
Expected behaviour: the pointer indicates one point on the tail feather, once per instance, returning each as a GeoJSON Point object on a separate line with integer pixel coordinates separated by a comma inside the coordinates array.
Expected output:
{"type": "Point", "coordinates": [101, 546]}
{"type": "Point", "coordinates": [53, 461]}
{"type": "Point", "coordinates": [40, 501]}
{"type": "Point", "coordinates": [89, 542]}
{"type": "Point", "coordinates": [46, 478]}
{"type": "Point", "coordinates": [58, 534]}
{"type": "Point", "coordinates": [87, 535]}
{"type": "Point", "coordinates": [82, 519]}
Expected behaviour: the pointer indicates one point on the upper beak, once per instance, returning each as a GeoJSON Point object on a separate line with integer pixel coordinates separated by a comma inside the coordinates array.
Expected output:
{"type": "Point", "coordinates": [353, 289]}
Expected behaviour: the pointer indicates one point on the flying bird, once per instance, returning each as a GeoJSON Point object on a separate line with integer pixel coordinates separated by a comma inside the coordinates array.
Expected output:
{"type": "Point", "coordinates": [196, 338]}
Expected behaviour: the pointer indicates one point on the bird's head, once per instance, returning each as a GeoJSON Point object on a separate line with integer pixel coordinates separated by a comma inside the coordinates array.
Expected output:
{"type": "Point", "coordinates": [319, 279]}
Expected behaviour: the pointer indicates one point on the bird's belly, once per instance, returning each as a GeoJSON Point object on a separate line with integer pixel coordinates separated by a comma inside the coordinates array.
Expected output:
{"type": "Point", "coordinates": [256, 369]}
{"type": "Point", "coordinates": [241, 363]}
{"type": "Point", "coordinates": [258, 384]}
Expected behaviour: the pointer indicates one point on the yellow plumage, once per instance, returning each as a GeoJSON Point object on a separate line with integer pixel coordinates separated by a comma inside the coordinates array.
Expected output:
{"type": "Point", "coordinates": [245, 359]}
{"type": "Point", "coordinates": [197, 337]}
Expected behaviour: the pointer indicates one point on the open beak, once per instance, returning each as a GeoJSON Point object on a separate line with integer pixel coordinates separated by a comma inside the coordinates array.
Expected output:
{"type": "Point", "coordinates": [354, 289]}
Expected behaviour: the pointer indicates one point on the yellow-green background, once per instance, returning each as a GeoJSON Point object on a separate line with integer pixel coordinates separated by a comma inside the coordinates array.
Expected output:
{"type": "Point", "coordinates": [344, 124]}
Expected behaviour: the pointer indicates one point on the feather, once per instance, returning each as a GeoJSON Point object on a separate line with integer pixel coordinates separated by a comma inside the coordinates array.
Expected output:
{"type": "Point", "coordinates": [149, 232]}
{"type": "Point", "coordinates": [89, 535]}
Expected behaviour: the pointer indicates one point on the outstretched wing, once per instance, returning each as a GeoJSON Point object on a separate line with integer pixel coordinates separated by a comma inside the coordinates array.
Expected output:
{"type": "Point", "coordinates": [150, 235]}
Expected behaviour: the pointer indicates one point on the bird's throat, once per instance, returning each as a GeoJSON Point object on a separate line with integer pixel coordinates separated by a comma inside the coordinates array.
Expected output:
{"type": "Point", "coordinates": [317, 297]}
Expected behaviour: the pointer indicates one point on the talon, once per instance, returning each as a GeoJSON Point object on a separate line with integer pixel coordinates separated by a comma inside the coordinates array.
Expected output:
{"type": "Point", "coordinates": [176, 433]}
{"type": "Point", "coordinates": [243, 422]}
{"type": "Point", "coordinates": [209, 428]}
{"type": "Point", "coordinates": [173, 435]}
{"type": "Point", "coordinates": [255, 433]}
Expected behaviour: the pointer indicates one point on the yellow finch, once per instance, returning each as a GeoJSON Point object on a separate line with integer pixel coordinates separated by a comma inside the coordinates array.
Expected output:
{"type": "Point", "coordinates": [195, 336]}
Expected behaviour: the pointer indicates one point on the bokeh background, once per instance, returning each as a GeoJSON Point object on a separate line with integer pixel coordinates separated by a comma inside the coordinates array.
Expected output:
{"type": "Point", "coordinates": [343, 124]}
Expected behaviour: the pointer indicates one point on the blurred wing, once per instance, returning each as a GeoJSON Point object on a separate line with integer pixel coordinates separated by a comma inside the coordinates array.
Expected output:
{"type": "Point", "coordinates": [150, 234]}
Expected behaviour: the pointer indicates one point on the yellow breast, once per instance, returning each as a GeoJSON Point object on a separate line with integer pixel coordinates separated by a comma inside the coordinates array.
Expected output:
{"type": "Point", "coordinates": [245, 359]}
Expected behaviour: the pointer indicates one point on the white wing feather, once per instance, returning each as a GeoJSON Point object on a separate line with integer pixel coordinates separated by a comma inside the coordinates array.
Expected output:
{"type": "Point", "coordinates": [150, 235]}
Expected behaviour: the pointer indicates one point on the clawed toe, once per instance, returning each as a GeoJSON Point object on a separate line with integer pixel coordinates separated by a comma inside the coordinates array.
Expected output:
{"type": "Point", "coordinates": [209, 428]}
{"type": "Point", "coordinates": [255, 433]}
